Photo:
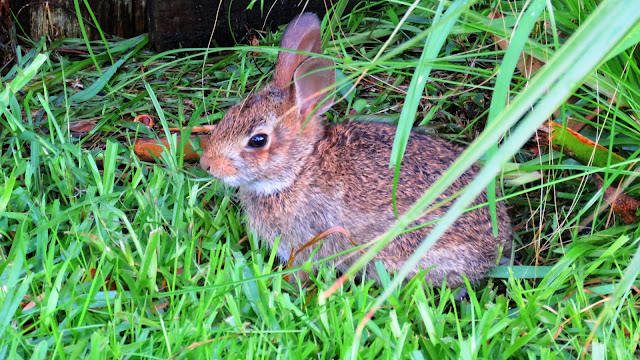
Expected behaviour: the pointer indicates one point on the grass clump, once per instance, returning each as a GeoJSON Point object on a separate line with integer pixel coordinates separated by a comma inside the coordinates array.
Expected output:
{"type": "Point", "coordinates": [105, 256]}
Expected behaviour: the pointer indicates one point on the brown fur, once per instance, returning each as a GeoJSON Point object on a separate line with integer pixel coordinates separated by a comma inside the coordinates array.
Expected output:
{"type": "Point", "coordinates": [307, 181]}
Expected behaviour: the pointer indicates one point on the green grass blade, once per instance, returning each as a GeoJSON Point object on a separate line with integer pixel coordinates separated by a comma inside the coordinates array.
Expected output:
{"type": "Point", "coordinates": [21, 80]}
{"type": "Point", "coordinates": [620, 294]}
{"type": "Point", "coordinates": [500, 94]}
{"type": "Point", "coordinates": [14, 284]}
{"type": "Point", "coordinates": [630, 40]}
{"type": "Point", "coordinates": [99, 84]}
{"type": "Point", "coordinates": [430, 51]}
{"type": "Point", "coordinates": [149, 264]}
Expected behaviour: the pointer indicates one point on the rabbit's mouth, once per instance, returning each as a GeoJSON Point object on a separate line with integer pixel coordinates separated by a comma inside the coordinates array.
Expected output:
{"type": "Point", "coordinates": [260, 187]}
{"type": "Point", "coordinates": [233, 181]}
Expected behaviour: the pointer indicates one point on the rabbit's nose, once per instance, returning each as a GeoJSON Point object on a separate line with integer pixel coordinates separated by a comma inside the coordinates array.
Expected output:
{"type": "Point", "coordinates": [207, 162]}
{"type": "Point", "coordinates": [217, 166]}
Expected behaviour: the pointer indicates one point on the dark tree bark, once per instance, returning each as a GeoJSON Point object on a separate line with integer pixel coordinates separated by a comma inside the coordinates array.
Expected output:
{"type": "Point", "coordinates": [58, 18]}
{"type": "Point", "coordinates": [171, 27]}
{"type": "Point", "coordinates": [170, 23]}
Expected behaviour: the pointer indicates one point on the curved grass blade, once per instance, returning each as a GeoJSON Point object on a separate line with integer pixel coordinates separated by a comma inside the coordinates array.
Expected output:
{"type": "Point", "coordinates": [105, 76]}
{"type": "Point", "coordinates": [615, 301]}
{"type": "Point", "coordinates": [501, 92]}
{"type": "Point", "coordinates": [430, 51]}
{"type": "Point", "coordinates": [21, 80]}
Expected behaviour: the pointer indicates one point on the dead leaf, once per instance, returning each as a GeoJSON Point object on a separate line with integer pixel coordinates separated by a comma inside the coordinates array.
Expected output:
{"type": "Point", "coordinates": [76, 84]}
{"type": "Point", "coordinates": [82, 126]}
{"type": "Point", "coordinates": [145, 119]}
{"type": "Point", "coordinates": [253, 41]}
{"type": "Point", "coordinates": [575, 145]}
{"type": "Point", "coordinates": [623, 205]}
{"type": "Point", "coordinates": [146, 149]}
{"type": "Point", "coordinates": [31, 304]}
{"type": "Point", "coordinates": [195, 129]}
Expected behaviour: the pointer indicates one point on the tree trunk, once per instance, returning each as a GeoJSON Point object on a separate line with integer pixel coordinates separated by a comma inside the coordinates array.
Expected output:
{"type": "Point", "coordinates": [170, 23]}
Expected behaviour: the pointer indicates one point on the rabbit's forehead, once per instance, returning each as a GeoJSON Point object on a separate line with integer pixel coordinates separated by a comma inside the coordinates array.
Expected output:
{"type": "Point", "coordinates": [257, 112]}
{"type": "Point", "coordinates": [245, 123]}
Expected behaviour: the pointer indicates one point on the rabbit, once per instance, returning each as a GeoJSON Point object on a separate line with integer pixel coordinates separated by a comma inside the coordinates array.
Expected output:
{"type": "Point", "coordinates": [298, 177]}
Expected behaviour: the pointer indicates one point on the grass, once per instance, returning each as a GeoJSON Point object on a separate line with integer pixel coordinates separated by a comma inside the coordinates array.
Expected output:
{"type": "Point", "coordinates": [105, 256]}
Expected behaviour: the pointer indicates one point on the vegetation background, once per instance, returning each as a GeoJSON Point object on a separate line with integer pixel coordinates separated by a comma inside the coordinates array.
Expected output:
{"type": "Point", "coordinates": [104, 256]}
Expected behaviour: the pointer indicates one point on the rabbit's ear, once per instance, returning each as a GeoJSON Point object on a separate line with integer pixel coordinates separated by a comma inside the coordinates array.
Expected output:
{"type": "Point", "coordinates": [315, 79]}
{"type": "Point", "coordinates": [303, 34]}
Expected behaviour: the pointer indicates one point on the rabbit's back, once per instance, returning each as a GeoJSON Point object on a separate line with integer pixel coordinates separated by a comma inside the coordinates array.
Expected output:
{"type": "Point", "coordinates": [347, 183]}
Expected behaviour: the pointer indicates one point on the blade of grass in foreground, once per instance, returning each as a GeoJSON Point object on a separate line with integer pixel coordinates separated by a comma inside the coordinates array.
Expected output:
{"type": "Point", "coordinates": [527, 20]}
{"type": "Point", "coordinates": [555, 82]}
{"type": "Point", "coordinates": [21, 80]}
{"type": "Point", "coordinates": [15, 285]}
{"type": "Point", "coordinates": [430, 51]}
{"type": "Point", "coordinates": [620, 293]}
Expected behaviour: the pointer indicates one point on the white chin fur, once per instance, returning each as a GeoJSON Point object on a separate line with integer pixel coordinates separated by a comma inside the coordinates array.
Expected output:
{"type": "Point", "coordinates": [268, 187]}
{"type": "Point", "coordinates": [231, 181]}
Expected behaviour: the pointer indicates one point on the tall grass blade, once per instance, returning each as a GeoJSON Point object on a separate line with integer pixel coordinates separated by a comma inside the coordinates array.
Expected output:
{"type": "Point", "coordinates": [500, 93]}
{"type": "Point", "coordinates": [14, 284]}
{"type": "Point", "coordinates": [430, 51]}
{"type": "Point", "coordinates": [21, 80]}
{"type": "Point", "coordinates": [619, 296]}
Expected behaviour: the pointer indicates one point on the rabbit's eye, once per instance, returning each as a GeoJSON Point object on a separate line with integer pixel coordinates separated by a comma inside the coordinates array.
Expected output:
{"type": "Point", "coordinates": [258, 141]}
